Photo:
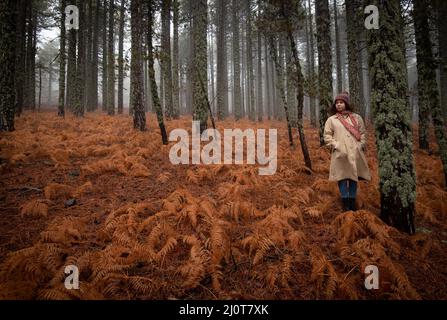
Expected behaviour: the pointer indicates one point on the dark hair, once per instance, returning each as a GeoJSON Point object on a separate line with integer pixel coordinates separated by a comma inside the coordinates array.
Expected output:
{"type": "Point", "coordinates": [348, 107]}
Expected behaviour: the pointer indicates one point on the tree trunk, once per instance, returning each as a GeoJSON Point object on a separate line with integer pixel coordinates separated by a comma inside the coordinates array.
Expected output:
{"type": "Point", "coordinates": [175, 62]}
{"type": "Point", "coordinates": [392, 119]}
{"type": "Point", "coordinates": [441, 8]}
{"type": "Point", "coordinates": [250, 86]}
{"type": "Point", "coordinates": [111, 62]}
{"type": "Point", "coordinates": [427, 85]}
{"type": "Point", "coordinates": [222, 77]}
{"type": "Point", "coordinates": [62, 58]}
{"type": "Point", "coordinates": [121, 58]}
{"type": "Point", "coordinates": [260, 100]}
{"type": "Point", "coordinates": [95, 57]}
{"type": "Point", "coordinates": [236, 61]}
{"type": "Point", "coordinates": [7, 64]}
{"type": "Point", "coordinates": [139, 117]}
{"type": "Point", "coordinates": [287, 6]}
{"type": "Point", "coordinates": [78, 103]}
{"type": "Point", "coordinates": [20, 54]}
{"type": "Point", "coordinates": [312, 78]}
{"type": "Point", "coordinates": [71, 68]}
{"type": "Point", "coordinates": [200, 22]}
{"type": "Point", "coordinates": [153, 84]}
{"type": "Point", "coordinates": [40, 88]}
{"type": "Point", "coordinates": [280, 83]}
{"type": "Point", "coordinates": [337, 49]}
{"type": "Point", "coordinates": [104, 57]}
{"type": "Point", "coordinates": [353, 26]}
{"type": "Point", "coordinates": [268, 94]}
{"type": "Point", "coordinates": [166, 56]}
{"type": "Point", "coordinates": [324, 62]}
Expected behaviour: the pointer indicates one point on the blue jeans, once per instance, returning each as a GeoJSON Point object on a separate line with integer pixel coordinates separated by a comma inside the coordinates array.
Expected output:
{"type": "Point", "coordinates": [348, 188]}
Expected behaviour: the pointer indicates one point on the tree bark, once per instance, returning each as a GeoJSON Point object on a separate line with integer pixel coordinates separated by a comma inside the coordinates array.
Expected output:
{"type": "Point", "coordinates": [153, 84]}
{"type": "Point", "coordinates": [7, 64]}
{"type": "Point", "coordinates": [222, 77]}
{"type": "Point", "coordinates": [121, 57]}
{"type": "Point", "coordinates": [139, 117]}
{"type": "Point", "coordinates": [324, 62]}
{"type": "Point", "coordinates": [427, 84]}
{"type": "Point", "coordinates": [62, 58]}
{"type": "Point", "coordinates": [111, 61]}
{"type": "Point", "coordinates": [392, 119]}
{"type": "Point", "coordinates": [199, 94]}
{"type": "Point", "coordinates": [337, 49]}
{"type": "Point", "coordinates": [175, 62]}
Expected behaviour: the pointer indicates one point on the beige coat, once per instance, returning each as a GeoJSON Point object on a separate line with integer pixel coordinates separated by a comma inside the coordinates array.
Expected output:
{"type": "Point", "coordinates": [347, 160]}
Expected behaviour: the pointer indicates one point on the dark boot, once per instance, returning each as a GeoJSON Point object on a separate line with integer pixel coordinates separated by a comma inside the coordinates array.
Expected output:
{"type": "Point", "coordinates": [345, 204]}
{"type": "Point", "coordinates": [352, 205]}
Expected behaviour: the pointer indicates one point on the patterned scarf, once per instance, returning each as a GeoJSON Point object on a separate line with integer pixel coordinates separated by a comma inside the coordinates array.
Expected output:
{"type": "Point", "coordinates": [353, 129]}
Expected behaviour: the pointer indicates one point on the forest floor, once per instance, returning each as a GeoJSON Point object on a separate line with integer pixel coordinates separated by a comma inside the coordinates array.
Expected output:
{"type": "Point", "coordinates": [96, 194]}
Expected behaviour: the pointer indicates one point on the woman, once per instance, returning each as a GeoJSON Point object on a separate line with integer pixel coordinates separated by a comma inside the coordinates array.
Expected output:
{"type": "Point", "coordinates": [344, 133]}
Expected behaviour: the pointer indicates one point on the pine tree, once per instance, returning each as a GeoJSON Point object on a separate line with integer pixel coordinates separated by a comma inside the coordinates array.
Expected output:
{"type": "Point", "coordinates": [79, 84]}
{"type": "Point", "coordinates": [62, 58]}
{"type": "Point", "coordinates": [427, 85]}
{"type": "Point", "coordinates": [249, 53]}
{"type": "Point", "coordinates": [392, 118]}
{"type": "Point", "coordinates": [222, 78]}
{"type": "Point", "coordinates": [200, 22]}
{"type": "Point", "coordinates": [20, 55]}
{"type": "Point", "coordinates": [104, 56]}
{"type": "Point", "coordinates": [7, 64]}
{"type": "Point", "coordinates": [153, 83]}
{"type": "Point", "coordinates": [166, 56]}
{"type": "Point", "coordinates": [353, 25]}
{"type": "Point", "coordinates": [441, 9]}
{"type": "Point", "coordinates": [311, 79]}
{"type": "Point", "coordinates": [337, 49]}
{"type": "Point", "coordinates": [236, 60]}
{"type": "Point", "coordinates": [120, 57]}
{"type": "Point", "coordinates": [259, 97]}
{"type": "Point", "coordinates": [324, 61]}
{"type": "Point", "coordinates": [175, 61]}
{"type": "Point", "coordinates": [139, 117]}
{"type": "Point", "coordinates": [111, 61]}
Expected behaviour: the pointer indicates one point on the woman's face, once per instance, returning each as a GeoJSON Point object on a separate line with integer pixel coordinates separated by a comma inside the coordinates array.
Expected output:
{"type": "Point", "coordinates": [340, 105]}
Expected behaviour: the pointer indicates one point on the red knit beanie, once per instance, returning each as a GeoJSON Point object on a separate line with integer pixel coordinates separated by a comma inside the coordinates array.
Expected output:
{"type": "Point", "coordinates": [344, 96]}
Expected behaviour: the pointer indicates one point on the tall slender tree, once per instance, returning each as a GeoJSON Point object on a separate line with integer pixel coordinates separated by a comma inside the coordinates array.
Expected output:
{"type": "Point", "coordinates": [111, 61]}
{"type": "Point", "coordinates": [236, 60]}
{"type": "Point", "coordinates": [222, 77]}
{"type": "Point", "coordinates": [259, 98]}
{"type": "Point", "coordinates": [175, 60]}
{"type": "Point", "coordinates": [428, 95]}
{"type": "Point", "coordinates": [79, 96]}
{"type": "Point", "coordinates": [153, 83]}
{"type": "Point", "coordinates": [7, 64]}
{"type": "Point", "coordinates": [353, 25]}
{"type": "Point", "coordinates": [104, 56]}
{"type": "Point", "coordinates": [324, 61]}
{"type": "Point", "coordinates": [441, 9]}
{"type": "Point", "coordinates": [337, 49]}
{"type": "Point", "coordinates": [20, 54]}
{"type": "Point", "coordinates": [139, 117]}
{"type": "Point", "coordinates": [392, 118]}
{"type": "Point", "coordinates": [250, 77]}
{"type": "Point", "coordinates": [62, 57]}
{"type": "Point", "coordinates": [200, 22]}
{"type": "Point", "coordinates": [121, 57]}
{"type": "Point", "coordinates": [165, 56]}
